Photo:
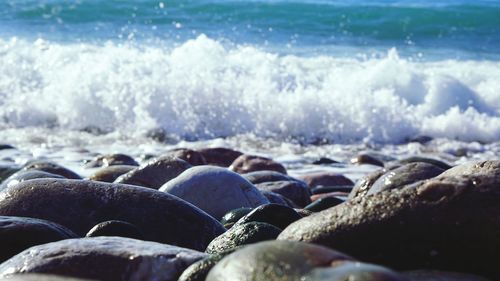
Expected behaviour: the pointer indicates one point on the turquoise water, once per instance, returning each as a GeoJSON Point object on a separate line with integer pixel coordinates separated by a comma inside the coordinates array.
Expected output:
{"type": "Point", "coordinates": [462, 28]}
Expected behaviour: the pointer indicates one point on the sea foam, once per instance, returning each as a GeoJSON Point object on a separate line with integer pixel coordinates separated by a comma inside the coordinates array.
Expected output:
{"type": "Point", "coordinates": [203, 89]}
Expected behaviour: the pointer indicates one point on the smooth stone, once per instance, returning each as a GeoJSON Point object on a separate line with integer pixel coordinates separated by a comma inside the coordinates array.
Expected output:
{"type": "Point", "coordinates": [324, 161]}
{"type": "Point", "coordinates": [324, 203]}
{"type": "Point", "coordinates": [278, 199]}
{"type": "Point", "coordinates": [303, 212]}
{"type": "Point", "coordinates": [193, 157]}
{"type": "Point", "coordinates": [4, 146]}
{"type": "Point", "coordinates": [296, 191]}
{"type": "Point", "coordinates": [406, 174]}
{"type": "Point", "coordinates": [354, 271]}
{"type": "Point", "coordinates": [23, 175]}
{"type": "Point", "coordinates": [274, 261]}
{"type": "Point", "coordinates": [274, 214]}
{"type": "Point", "coordinates": [441, 164]}
{"type": "Point", "coordinates": [219, 156]}
{"type": "Point", "coordinates": [243, 234]}
{"type": "Point", "coordinates": [328, 189]}
{"type": "Point", "coordinates": [52, 168]}
{"type": "Point", "coordinates": [155, 173]}
{"type": "Point", "coordinates": [433, 275]}
{"type": "Point", "coordinates": [475, 168]}
{"type": "Point", "coordinates": [19, 233]}
{"type": "Point", "coordinates": [235, 215]}
{"type": "Point", "coordinates": [338, 194]}
{"type": "Point", "coordinates": [111, 173]}
{"type": "Point", "coordinates": [79, 205]}
{"type": "Point", "coordinates": [7, 170]}
{"type": "Point", "coordinates": [251, 163]}
{"type": "Point", "coordinates": [367, 158]}
{"type": "Point", "coordinates": [116, 228]}
{"type": "Point", "coordinates": [104, 258]}
{"type": "Point", "coordinates": [198, 271]}
{"type": "Point", "coordinates": [326, 179]}
{"type": "Point", "coordinates": [443, 223]}
{"type": "Point", "coordinates": [215, 190]}
{"type": "Point", "coordinates": [421, 139]}
{"type": "Point", "coordinates": [267, 176]}
{"type": "Point", "coordinates": [111, 160]}
{"type": "Point", "coordinates": [365, 183]}
{"type": "Point", "coordinates": [40, 277]}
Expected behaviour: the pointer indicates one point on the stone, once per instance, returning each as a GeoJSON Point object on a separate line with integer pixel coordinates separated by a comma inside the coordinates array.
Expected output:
{"type": "Point", "coordinates": [18, 234]}
{"type": "Point", "coordinates": [267, 176]}
{"type": "Point", "coordinates": [328, 189]}
{"type": "Point", "coordinates": [273, 261]}
{"type": "Point", "coordinates": [7, 170]}
{"type": "Point", "coordinates": [40, 277]}
{"type": "Point", "coordinates": [274, 214]}
{"type": "Point", "coordinates": [233, 216]}
{"type": "Point", "coordinates": [52, 168]}
{"type": "Point", "coordinates": [441, 164]}
{"type": "Point", "coordinates": [23, 175]}
{"type": "Point", "coordinates": [4, 146]}
{"type": "Point", "coordinates": [278, 199]}
{"type": "Point", "coordinates": [251, 163]}
{"type": "Point", "coordinates": [79, 205]}
{"type": "Point", "coordinates": [215, 190]}
{"type": "Point", "coordinates": [367, 158]}
{"type": "Point", "coordinates": [243, 234]}
{"type": "Point", "coordinates": [445, 223]}
{"type": "Point", "coordinates": [104, 258]}
{"type": "Point", "coordinates": [296, 191]}
{"type": "Point", "coordinates": [111, 173]}
{"type": "Point", "coordinates": [406, 174]}
{"type": "Point", "coordinates": [475, 168]}
{"type": "Point", "coordinates": [354, 271]}
{"type": "Point", "coordinates": [433, 275]}
{"type": "Point", "coordinates": [326, 179]}
{"type": "Point", "coordinates": [324, 203]}
{"type": "Point", "coordinates": [219, 156]}
{"type": "Point", "coordinates": [364, 184]}
{"type": "Point", "coordinates": [324, 161]}
{"type": "Point", "coordinates": [198, 271]}
{"type": "Point", "coordinates": [337, 194]}
{"type": "Point", "coordinates": [155, 172]}
{"type": "Point", "coordinates": [422, 139]}
{"type": "Point", "coordinates": [193, 157]}
{"type": "Point", "coordinates": [116, 228]}
{"type": "Point", "coordinates": [111, 160]}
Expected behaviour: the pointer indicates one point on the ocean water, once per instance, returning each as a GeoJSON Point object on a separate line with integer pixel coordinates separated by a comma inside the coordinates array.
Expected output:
{"type": "Point", "coordinates": [301, 72]}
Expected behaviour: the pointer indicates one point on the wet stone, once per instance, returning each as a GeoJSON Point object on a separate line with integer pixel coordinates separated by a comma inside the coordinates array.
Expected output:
{"type": "Point", "coordinates": [243, 234]}
{"type": "Point", "coordinates": [160, 217]}
{"type": "Point", "coordinates": [251, 163]}
{"type": "Point", "coordinates": [155, 172]}
{"type": "Point", "coordinates": [354, 271]}
{"type": "Point", "coordinates": [278, 199]}
{"type": "Point", "coordinates": [233, 216]}
{"type": "Point", "coordinates": [219, 156]}
{"type": "Point", "coordinates": [104, 258]}
{"type": "Point", "coordinates": [328, 189]}
{"type": "Point", "coordinates": [324, 203]}
{"type": "Point", "coordinates": [267, 176]}
{"type": "Point", "coordinates": [326, 179]}
{"type": "Point", "coordinates": [23, 175]}
{"type": "Point", "coordinates": [111, 160]}
{"type": "Point", "coordinates": [40, 277]}
{"type": "Point", "coordinates": [111, 173]}
{"type": "Point", "coordinates": [52, 168]}
{"type": "Point", "coordinates": [193, 157]}
{"type": "Point", "coordinates": [296, 191]}
{"type": "Point", "coordinates": [366, 158]}
{"type": "Point", "coordinates": [19, 233]}
{"type": "Point", "coordinates": [274, 214]}
{"type": "Point", "coordinates": [441, 164]}
{"type": "Point", "coordinates": [433, 275]}
{"type": "Point", "coordinates": [116, 228]}
{"type": "Point", "coordinates": [198, 271]}
{"type": "Point", "coordinates": [324, 161]}
{"type": "Point", "coordinates": [7, 170]}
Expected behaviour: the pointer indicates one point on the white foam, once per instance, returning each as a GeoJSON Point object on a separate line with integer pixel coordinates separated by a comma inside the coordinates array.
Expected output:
{"type": "Point", "coordinates": [202, 89]}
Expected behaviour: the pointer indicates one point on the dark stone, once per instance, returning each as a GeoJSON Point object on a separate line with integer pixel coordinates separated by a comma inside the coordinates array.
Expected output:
{"type": "Point", "coordinates": [79, 205]}
{"type": "Point", "coordinates": [233, 216]}
{"type": "Point", "coordinates": [274, 261]}
{"type": "Point", "coordinates": [243, 234]}
{"type": "Point", "coordinates": [446, 223]}
{"type": "Point", "coordinates": [18, 234]}
{"type": "Point", "coordinates": [296, 191]}
{"type": "Point", "coordinates": [193, 157]}
{"type": "Point", "coordinates": [155, 173]}
{"type": "Point", "coordinates": [267, 176]}
{"type": "Point", "coordinates": [215, 190]}
{"type": "Point", "coordinates": [421, 139]}
{"type": "Point", "coordinates": [354, 271]}
{"type": "Point", "coordinates": [23, 175]}
{"type": "Point", "coordinates": [111, 173]}
{"type": "Point", "coordinates": [324, 161]}
{"type": "Point", "coordinates": [198, 271]}
{"type": "Point", "coordinates": [251, 163]}
{"type": "Point", "coordinates": [364, 184]}
{"type": "Point", "coordinates": [111, 160]}
{"type": "Point", "coordinates": [278, 199]}
{"type": "Point", "coordinates": [40, 277]}
{"type": "Point", "coordinates": [6, 146]}
{"type": "Point", "coordinates": [104, 258]}
{"type": "Point", "coordinates": [441, 164]}
{"type": "Point", "coordinates": [433, 275]}
{"type": "Point", "coordinates": [52, 168]}
{"type": "Point", "coordinates": [326, 179]}
{"type": "Point", "coordinates": [7, 170]}
{"type": "Point", "coordinates": [274, 214]}
{"type": "Point", "coordinates": [406, 174]}
{"type": "Point", "coordinates": [367, 158]}
{"type": "Point", "coordinates": [328, 189]}
{"type": "Point", "coordinates": [324, 203]}
{"type": "Point", "coordinates": [219, 156]}
{"type": "Point", "coordinates": [338, 194]}
{"type": "Point", "coordinates": [116, 228]}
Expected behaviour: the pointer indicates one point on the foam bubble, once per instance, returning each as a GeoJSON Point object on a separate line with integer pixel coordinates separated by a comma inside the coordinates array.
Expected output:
{"type": "Point", "coordinates": [203, 89]}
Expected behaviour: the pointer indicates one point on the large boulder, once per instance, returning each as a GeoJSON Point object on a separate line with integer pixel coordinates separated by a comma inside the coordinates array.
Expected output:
{"type": "Point", "coordinates": [215, 190]}
{"type": "Point", "coordinates": [448, 223]}
{"type": "Point", "coordinates": [155, 173]}
{"type": "Point", "coordinates": [79, 205]}
{"type": "Point", "coordinates": [18, 234]}
{"type": "Point", "coordinates": [104, 258]}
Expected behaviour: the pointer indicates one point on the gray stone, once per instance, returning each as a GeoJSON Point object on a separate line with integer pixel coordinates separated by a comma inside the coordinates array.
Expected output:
{"type": "Point", "coordinates": [24, 175]}
{"type": "Point", "coordinates": [354, 271]}
{"type": "Point", "coordinates": [52, 168]}
{"type": "Point", "coordinates": [215, 190]}
{"type": "Point", "coordinates": [104, 258]}
{"type": "Point", "coordinates": [296, 191]}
